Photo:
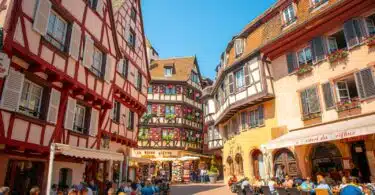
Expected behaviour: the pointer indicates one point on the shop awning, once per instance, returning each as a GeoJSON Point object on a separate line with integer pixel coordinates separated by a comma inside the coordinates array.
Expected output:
{"type": "Point", "coordinates": [140, 160]}
{"type": "Point", "coordinates": [87, 153]}
{"type": "Point", "coordinates": [328, 132]}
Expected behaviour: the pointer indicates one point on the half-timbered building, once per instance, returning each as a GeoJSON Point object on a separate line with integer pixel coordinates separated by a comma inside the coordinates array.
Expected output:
{"type": "Point", "coordinates": [65, 93]}
{"type": "Point", "coordinates": [174, 118]}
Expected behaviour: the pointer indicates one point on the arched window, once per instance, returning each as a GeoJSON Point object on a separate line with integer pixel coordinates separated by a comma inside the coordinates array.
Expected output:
{"type": "Point", "coordinates": [65, 177]}
{"type": "Point", "coordinates": [239, 164]}
{"type": "Point", "coordinates": [325, 157]}
{"type": "Point", "coordinates": [230, 165]}
{"type": "Point", "coordinates": [285, 160]}
{"type": "Point", "coordinates": [258, 164]}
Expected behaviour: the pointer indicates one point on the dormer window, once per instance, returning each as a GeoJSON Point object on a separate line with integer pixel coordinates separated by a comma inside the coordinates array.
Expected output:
{"type": "Point", "coordinates": [168, 71]}
{"type": "Point", "coordinates": [289, 15]}
{"type": "Point", "coordinates": [194, 77]}
{"type": "Point", "coordinates": [238, 46]}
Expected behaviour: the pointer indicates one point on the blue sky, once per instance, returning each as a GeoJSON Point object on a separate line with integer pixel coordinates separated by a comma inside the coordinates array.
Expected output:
{"type": "Point", "coordinates": [197, 27]}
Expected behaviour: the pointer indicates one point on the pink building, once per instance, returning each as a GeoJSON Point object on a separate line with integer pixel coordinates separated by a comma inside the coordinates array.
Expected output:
{"type": "Point", "coordinates": [77, 77]}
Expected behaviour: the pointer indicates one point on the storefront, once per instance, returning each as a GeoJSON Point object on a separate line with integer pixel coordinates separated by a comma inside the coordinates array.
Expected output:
{"type": "Point", "coordinates": [334, 149]}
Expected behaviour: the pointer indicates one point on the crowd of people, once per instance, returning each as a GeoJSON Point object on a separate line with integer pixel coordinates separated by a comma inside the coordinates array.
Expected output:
{"type": "Point", "coordinates": [154, 186]}
{"type": "Point", "coordinates": [200, 175]}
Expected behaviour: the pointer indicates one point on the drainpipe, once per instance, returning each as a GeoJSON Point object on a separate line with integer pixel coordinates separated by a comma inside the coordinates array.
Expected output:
{"type": "Point", "coordinates": [50, 167]}
{"type": "Point", "coordinates": [126, 168]}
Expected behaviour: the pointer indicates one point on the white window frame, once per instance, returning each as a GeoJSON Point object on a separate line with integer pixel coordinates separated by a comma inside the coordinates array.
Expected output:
{"type": "Point", "coordinates": [287, 14]}
{"type": "Point", "coordinates": [170, 108]}
{"type": "Point", "coordinates": [97, 68]}
{"type": "Point", "coordinates": [83, 118]}
{"type": "Point", "coordinates": [32, 85]}
{"type": "Point", "coordinates": [332, 40]}
{"type": "Point", "coordinates": [303, 50]}
{"type": "Point", "coordinates": [131, 38]}
{"type": "Point", "coordinates": [168, 73]}
{"type": "Point", "coordinates": [239, 45]}
{"type": "Point", "coordinates": [51, 37]}
{"type": "Point", "coordinates": [241, 79]}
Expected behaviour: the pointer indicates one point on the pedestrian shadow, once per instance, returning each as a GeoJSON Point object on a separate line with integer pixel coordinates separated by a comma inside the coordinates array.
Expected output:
{"type": "Point", "coordinates": [192, 189]}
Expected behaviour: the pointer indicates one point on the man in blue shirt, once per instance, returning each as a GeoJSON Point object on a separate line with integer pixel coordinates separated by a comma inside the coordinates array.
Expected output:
{"type": "Point", "coordinates": [351, 189]}
{"type": "Point", "coordinates": [148, 189]}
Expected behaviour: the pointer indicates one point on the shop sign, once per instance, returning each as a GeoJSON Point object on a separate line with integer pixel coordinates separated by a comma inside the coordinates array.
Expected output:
{"type": "Point", "coordinates": [4, 64]}
{"type": "Point", "coordinates": [328, 137]}
{"type": "Point", "coordinates": [156, 154]}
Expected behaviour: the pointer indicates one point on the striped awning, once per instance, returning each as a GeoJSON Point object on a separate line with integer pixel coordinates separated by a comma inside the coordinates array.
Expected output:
{"type": "Point", "coordinates": [79, 152]}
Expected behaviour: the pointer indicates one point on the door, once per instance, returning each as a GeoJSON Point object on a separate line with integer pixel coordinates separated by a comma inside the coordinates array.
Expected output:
{"type": "Point", "coordinates": [358, 151]}
{"type": "Point", "coordinates": [285, 158]}
{"type": "Point", "coordinates": [23, 175]}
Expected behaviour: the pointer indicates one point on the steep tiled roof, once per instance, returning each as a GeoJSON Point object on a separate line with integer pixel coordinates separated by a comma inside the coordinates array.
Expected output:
{"type": "Point", "coordinates": [182, 68]}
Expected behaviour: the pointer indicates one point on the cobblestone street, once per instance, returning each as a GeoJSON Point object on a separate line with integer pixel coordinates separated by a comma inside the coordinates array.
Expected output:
{"type": "Point", "coordinates": [200, 189]}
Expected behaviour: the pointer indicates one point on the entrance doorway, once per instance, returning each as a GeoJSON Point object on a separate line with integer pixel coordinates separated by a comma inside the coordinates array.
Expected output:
{"type": "Point", "coordinates": [258, 165]}
{"type": "Point", "coordinates": [285, 159]}
{"type": "Point", "coordinates": [23, 175]}
{"type": "Point", "coordinates": [326, 158]}
{"type": "Point", "coordinates": [358, 151]}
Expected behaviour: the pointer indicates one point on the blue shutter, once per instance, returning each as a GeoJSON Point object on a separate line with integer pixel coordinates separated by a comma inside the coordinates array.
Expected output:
{"type": "Point", "coordinates": [350, 34]}
{"type": "Point", "coordinates": [291, 62]}
{"type": "Point", "coordinates": [261, 115]}
{"type": "Point", "coordinates": [318, 49]}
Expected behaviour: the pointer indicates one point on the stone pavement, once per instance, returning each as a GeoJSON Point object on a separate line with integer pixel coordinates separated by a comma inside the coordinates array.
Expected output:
{"type": "Point", "coordinates": [200, 189]}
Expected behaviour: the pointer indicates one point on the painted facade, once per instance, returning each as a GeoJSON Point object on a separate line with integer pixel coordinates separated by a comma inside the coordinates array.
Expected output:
{"type": "Point", "coordinates": [63, 83]}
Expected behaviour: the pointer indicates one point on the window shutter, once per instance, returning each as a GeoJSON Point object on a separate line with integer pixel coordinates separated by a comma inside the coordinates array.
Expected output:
{"type": "Point", "coordinates": [360, 29]}
{"type": "Point", "coordinates": [328, 96]}
{"type": "Point", "coordinates": [261, 114]}
{"type": "Point", "coordinates": [313, 100]}
{"type": "Point", "coordinates": [120, 65]}
{"type": "Point", "coordinates": [291, 62]}
{"type": "Point", "coordinates": [226, 85]}
{"type": "Point", "coordinates": [127, 32]}
{"type": "Point", "coordinates": [99, 7]}
{"type": "Point", "coordinates": [41, 16]}
{"type": "Point", "coordinates": [12, 90]}
{"type": "Point", "coordinates": [318, 49]}
{"type": "Point", "coordinates": [247, 75]}
{"type": "Point", "coordinates": [350, 34]}
{"type": "Point", "coordinates": [365, 83]}
{"type": "Point", "coordinates": [70, 113]}
{"type": "Point", "coordinates": [108, 69]}
{"type": "Point", "coordinates": [75, 41]}
{"type": "Point", "coordinates": [94, 118]}
{"type": "Point", "coordinates": [53, 108]}
{"type": "Point", "coordinates": [304, 102]}
{"type": "Point", "coordinates": [231, 83]}
{"type": "Point", "coordinates": [89, 51]}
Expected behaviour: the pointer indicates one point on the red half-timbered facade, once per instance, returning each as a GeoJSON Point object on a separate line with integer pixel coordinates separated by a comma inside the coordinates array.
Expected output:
{"type": "Point", "coordinates": [63, 86]}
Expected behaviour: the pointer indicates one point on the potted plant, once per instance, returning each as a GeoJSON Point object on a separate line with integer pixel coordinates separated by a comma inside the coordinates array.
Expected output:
{"type": "Point", "coordinates": [348, 104]}
{"type": "Point", "coordinates": [304, 69]}
{"type": "Point", "coordinates": [370, 41]}
{"type": "Point", "coordinates": [337, 55]}
{"type": "Point", "coordinates": [213, 172]}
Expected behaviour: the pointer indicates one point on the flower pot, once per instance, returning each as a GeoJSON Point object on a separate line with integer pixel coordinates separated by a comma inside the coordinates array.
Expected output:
{"type": "Point", "coordinates": [213, 178]}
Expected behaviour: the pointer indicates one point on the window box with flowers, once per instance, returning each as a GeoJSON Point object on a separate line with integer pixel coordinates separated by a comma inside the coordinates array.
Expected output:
{"type": "Point", "coordinates": [303, 69]}
{"type": "Point", "coordinates": [348, 104]}
{"type": "Point", "coordinates": [311, 116]}
{"type": "Point", "coordinates": [168, 137]}
{"type": "Point", "coordinates": [370, 41]}
{"type": "Point", "coordinates": [146, 117]}
{"type": "Point", "coordinates": [170, 117]}
{"type": "Point", "coordinates": [142, 135]}
{"type": "Point", "coordinates": [337, 55]}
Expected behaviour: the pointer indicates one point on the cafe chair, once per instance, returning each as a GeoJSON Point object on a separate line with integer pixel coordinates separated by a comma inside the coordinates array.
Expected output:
{"type": "Point", "coordinates": [321, 192]}
{"type": "Point", "coordinates": [294, 191]}
{"type": "Point", "coordinates": [266, 190]}
{"type": "Point", "coordinates": [281, 191]}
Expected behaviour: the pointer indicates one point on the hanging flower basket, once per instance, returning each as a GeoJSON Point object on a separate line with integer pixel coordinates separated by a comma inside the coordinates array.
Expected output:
{"type": "Point", "coordinates": [304, 69]}
{"type": "Point", "coordinates": [338, 55]}
{"type": "Point", "coordinates": [348, 105]}
{"type": "Point", "coordinates": [370, 41]}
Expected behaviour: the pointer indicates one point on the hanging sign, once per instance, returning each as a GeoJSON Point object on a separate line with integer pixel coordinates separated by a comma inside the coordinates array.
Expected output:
{"type": "Point", "coordinates": [4, 64]}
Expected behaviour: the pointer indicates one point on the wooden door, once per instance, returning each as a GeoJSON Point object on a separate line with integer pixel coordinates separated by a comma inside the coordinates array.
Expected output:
{"type": "Point", "coordinates": [286, 158]}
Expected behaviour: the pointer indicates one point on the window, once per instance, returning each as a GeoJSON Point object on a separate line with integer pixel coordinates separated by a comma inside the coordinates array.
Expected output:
{"type": "Point", "coordinates": [243, 120]}
{"type": "Point", "coordinates": [123, 68]}
{"type": "Point", "coordinates": [139, 81]}
{"type": "Point", "coordinates": [288, 14]}
{"type": "Point", "coordinates": [116, 111]}
{"type": "Point", "coordinates": [304, 56]}
{"type": "Point", "coordinates": [149, 90]}
{"type": "Point", "coordinates": [56, 31]}
{"type": "Point", "coordinates": [170, 90]}
{"type": "Point", "coordinates": [79, 119]}
{"type": "Point", "coordinates": [92, 3]}
{"type": "Point", "coordinates": [238, 47]}
{"type": "Point", "coordinates": [240, 78]}
{"type": "Point", "coordinates": [97, 62]}
{"type": "Point", "coordinates": [169, 109]}
{"type": "Point", "coordinates": [225, 131]}
{"type": "Point", "coordinates": [194, 77]}
{"type": "Point", "coordinates": [131, 121]}
{"type": "Point", "coordinates": [316, 3]}
{"type": "Point", "coordinates": [336, 41]}
{"type": "Point", "coordinates": [131, 39]}
{"type": "Point", "coordinates": [256, 117]}
{"type": "Point", "coordinates": [346, 89]}
{"type": "Point", "coordinates": [133, 14]}
{"type": "Point", "coordinates": [31, 99]}
{"type": "Point", "coordinates": [168, 71]}
{"type": "Point", "coordinates": [370, 21]}
{"type": "Point", "coordinates": [310, 102]}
